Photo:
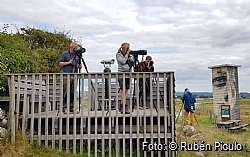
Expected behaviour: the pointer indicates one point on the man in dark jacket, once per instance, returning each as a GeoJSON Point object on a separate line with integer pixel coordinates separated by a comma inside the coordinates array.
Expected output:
{"type": "Point", "coordinates": [189, 105]}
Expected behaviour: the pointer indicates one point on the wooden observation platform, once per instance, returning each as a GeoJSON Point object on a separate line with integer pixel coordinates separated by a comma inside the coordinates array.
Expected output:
{"type": "Point", "coordinates": [37, 109]}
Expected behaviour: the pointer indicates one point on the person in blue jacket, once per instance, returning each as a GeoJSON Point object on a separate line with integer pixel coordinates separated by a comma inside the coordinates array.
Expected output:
{"type": "Point", "coordinates": [189, 105]}
{"type": "Point", "coordinates": [69, 62]}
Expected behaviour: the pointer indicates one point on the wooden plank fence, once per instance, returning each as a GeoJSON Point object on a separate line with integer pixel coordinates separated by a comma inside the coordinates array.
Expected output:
{"type": "Point", "coordinates": [42, 116]}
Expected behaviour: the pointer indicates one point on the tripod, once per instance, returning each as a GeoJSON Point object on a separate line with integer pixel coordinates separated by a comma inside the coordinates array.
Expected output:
{"type": "Point", "coordinates": [136, 67]}
{"type": "Point", "coordinates": [85, 66]}
{"type": "Point", "coordinates": [180, 112]}
{"type": "Point", "coordinates": [75, 70]}
{"type": "Point", "coordinates": [107, 65]}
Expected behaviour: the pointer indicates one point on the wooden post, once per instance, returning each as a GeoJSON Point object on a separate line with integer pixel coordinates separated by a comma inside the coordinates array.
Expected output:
{"type": "Point", "coordinates": [12, 109]}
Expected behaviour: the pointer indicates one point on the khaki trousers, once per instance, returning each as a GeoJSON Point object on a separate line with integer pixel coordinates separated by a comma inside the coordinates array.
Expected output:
{"type": "Point", "coordinates": [191, 117]}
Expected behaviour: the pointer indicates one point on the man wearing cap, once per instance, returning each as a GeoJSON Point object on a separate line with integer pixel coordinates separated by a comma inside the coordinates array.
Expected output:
{"type": "Point", "coordinates": [188, 100]}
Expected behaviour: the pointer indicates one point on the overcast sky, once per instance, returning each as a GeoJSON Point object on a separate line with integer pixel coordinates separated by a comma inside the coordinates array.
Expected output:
{"type": "Point", "coordinates": [184, 36]}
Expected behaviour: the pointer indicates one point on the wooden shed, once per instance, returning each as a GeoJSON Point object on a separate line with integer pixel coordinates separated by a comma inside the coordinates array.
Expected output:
{"type": "Point", "coordinates": [225, 92]}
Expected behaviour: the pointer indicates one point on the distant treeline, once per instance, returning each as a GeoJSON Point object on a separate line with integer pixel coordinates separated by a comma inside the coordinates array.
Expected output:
{"type": "Point", "coordinates": [209, 94]}
{"type": "Point", "coordinates": [245, 95]}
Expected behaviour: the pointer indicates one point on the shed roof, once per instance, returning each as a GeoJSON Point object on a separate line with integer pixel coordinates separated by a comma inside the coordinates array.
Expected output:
{"type": "Point", "coordinates": [224, 65]}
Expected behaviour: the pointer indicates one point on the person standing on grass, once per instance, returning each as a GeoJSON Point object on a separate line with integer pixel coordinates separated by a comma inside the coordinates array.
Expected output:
{"type": "Point", "coordinates": [189, 105]}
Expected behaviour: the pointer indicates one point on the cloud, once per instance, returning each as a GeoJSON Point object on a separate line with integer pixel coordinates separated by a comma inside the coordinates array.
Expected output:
{"type": "Point", "coordinates": [184, 36]}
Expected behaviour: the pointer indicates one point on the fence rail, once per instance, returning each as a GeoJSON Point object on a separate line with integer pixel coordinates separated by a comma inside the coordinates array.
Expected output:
{"type": "Point", "coordinates": [94, 125]}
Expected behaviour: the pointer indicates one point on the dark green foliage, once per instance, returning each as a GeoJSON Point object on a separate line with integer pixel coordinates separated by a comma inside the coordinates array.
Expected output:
{"type": "Point", "coordinates": [30, 51]}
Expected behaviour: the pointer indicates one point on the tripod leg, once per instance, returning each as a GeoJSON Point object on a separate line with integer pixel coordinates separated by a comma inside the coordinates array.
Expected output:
{"type": "Point", "coordinates": [115, 98]}
{"type": "Point", "coordinates": [133, 105]}
{"type": "Point", "coordinates": [148, 93]}
{"type": "Point", "coordinates": [196, 120]}
{"type": "Point", "coordinates": [179, 113]}
{"type": "Point", "coordinates": [64, 97]}
{"type": "Point", "coordinates": [155, 106]}
{"type": "Point", "coordinates": [79, 95]}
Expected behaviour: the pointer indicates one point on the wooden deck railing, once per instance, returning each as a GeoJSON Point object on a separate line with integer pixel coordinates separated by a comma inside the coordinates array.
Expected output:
{"type": "Point", "coordinates": [93, 124]}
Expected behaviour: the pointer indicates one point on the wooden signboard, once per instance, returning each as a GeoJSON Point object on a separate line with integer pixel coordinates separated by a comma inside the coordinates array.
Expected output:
{"type": "Point", "coordinates": [225, 113]}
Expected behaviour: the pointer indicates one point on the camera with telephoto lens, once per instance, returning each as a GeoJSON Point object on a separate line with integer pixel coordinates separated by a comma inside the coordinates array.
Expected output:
{"type": "Point", "coordinates": [79, 51]}
{"type": "Point", "coordinates": [151, 63]}
{"type": "Point", "coordinates": [138, 52]}
{"type": "Point", "coordinates": [130, 64]}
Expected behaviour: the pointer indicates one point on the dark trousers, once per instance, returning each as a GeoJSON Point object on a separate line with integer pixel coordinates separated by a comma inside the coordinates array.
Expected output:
{"type": "Point", "coordinates": [147, 92]}
{"type": "Point", "coordinates": [71, 94]}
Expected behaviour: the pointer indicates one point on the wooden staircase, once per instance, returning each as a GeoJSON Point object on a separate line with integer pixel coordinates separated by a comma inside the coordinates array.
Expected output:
{"type": "Point", "coordinates": [231, 125]}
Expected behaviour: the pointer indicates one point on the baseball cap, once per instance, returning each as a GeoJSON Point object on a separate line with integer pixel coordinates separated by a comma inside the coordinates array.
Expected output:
{"type": "Point", "coordinates": [186, 89]}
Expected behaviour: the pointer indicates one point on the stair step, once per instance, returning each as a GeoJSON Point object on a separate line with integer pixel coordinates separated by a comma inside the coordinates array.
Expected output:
{"type": "Point", "coordinates": [238, 127]}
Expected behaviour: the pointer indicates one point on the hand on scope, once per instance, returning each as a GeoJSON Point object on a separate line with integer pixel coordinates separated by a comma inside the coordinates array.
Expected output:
{"type": "Point", "coordinates": [71, 61]}
{"type": "Point", "coordinates": [128, 51]}
{"type": "Point", "coordinates": [149, 65]}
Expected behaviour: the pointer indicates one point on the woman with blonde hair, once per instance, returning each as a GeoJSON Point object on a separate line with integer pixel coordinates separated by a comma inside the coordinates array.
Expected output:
{"type": "Point", "coordinates": [125, 62]}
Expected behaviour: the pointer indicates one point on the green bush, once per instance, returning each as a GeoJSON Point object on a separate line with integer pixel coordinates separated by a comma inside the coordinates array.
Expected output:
{"type": "Point", "coordinates": [30, 51]}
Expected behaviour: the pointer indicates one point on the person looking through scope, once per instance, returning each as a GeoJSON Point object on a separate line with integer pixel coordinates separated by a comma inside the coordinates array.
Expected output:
{"type": "Point", "coordinates": [70, 61]}
{"type": "Point", "coordinates": [125, 62]}
{"type": "Point", "coordinates": [146, 66]}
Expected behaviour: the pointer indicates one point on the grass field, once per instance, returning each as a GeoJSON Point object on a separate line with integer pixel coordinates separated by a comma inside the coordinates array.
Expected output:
{"type": "Point", "coordinates": [209, 134]}
{"type": "Point", "coordinates": [206, 130]}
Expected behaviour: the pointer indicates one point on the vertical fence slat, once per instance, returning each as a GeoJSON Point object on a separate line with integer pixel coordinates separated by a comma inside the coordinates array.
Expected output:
{"type": "Point", "coordinates": [103, 103]}
{"type": "Point", "coordinates": [54, 111]}
{"type": "Point", "coordinates": [12, 109]}
{"type": "Point", "coordinates": [144, 113]}
{"type": "Point", "coordinates": [89, 107]}
{"type": "Point", "coordinates": [47, 111]}
{"type": "Point", "coordinates": [32, 109]}
{"type": "Point", "coordinates": [172, 109]}
{"type": "Point", "coordinates": [117, 132]}
{"type": "Point", "coordinates": [39, 109]}
{"type": "Point", "coordinates": [158, 109]}
{"type": "Point", "coordinates": [74, 110]}
{"type": "Point", "coordinates": [96, 107]}
{"type": "Point", "coordinates": [130, 117]}
{"type": "Point", "coordinates": [17, 102]}
{"type": "Point", "coordinates": [152, 106]}
{"type": "Point", "coordinates": [123, 116]}
{"type": "Point", "coordinates": [137, 117]}
{"type": "Point", "coordinates": [24, 108]}
{"type": "Point", "coordinates": [109, 105]}
{"type": "Point", "coordinates": [165, 111]}
{"type": "Point", "coordinates": [61, 111]}
{"type": "Point", "coordinates": [169, 111]}
{"type": "Point", "coordinates": [81, 111]}
{"type": "Point", "coordinates": [68, 110]}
